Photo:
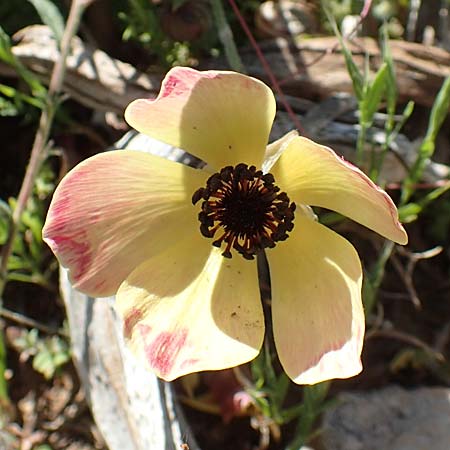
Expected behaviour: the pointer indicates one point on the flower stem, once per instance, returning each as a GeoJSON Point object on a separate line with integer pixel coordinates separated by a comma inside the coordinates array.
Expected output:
{"type": "Point", "coordinates": [360, 143]}
{"type": "Point", "coordinates": [273, 81]}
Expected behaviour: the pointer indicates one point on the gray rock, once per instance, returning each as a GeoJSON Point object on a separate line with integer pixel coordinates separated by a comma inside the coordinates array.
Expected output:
{"type": "Point", "coordinates": [389, 419]}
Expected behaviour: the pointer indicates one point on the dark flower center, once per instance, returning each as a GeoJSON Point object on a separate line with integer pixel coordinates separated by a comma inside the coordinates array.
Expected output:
{"type": "Point", "coordinates": [246, 210]}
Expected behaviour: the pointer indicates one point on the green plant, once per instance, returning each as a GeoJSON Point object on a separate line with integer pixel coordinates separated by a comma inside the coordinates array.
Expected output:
{"type": "Point", "coordinates": [370, 93]}
{"type": "Point", "coordinates": [269, 391]}
{"type": "Point", "coordinates": [49, 354]}
{"type": "Point", "coordinates": [28, 261]}
{"type": "Point", "coordinates": [142, 24]}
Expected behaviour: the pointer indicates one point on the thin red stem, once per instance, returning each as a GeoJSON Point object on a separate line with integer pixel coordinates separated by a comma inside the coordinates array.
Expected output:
{"type": "Point", "coordinates": [266, 66]}
{"type": "Point", "coordinates": [436, 184]}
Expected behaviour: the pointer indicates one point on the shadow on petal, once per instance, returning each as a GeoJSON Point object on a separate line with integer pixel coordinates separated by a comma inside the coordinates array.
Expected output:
{"type": "Point", "coordinates": [190, 309]}
{"type": "Point", "coordinates": [221, 117]}
{"type": "Point", "coordinates": [317, 310]}
{"type": "Point", "coordinates": [235, 303]}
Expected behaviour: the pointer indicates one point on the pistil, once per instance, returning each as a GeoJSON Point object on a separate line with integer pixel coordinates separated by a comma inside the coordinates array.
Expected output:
{"type": "Point", "coordinates": [244, 210]}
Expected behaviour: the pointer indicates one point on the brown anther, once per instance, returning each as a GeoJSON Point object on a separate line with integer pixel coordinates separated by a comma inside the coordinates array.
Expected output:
{"type": "Point", "coordinates": [246, 208]}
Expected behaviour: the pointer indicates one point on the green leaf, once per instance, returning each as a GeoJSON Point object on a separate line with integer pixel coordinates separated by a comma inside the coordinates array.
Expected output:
{"type": "Point", "coordinates": [8, 57]}
{"type": "Point", "coordinates": [355, 74]}
{"type": "Point", "coordinates": [7, 91]}
{"type": "Point", "coordinates": [8, 108]}
{"type": "Point", "coordinates": [293, 412]}
{"type": "Point", "coordinates": [434, 194]}
{"type": "Point", "coordinates": [5, 221]}
{"type": "Point", "coordinates": [19, 98]}
{"type": "Point", "coordinates": [16, 263]}
{"type": "Point", "coordinates": [409, 213]}
{"type": "Point", "coordinates": [226, 36]}
{"type": "Point", "coordinates": [375, 91]}
{"type": "Point", "coordinates": [438, 114]}
{"type": "Point", "coordinates": [313, 405]}
{"type": "Point", "coordinates": [281, 387]}
{"type": "Point", "coordinates": [50, 16]}
{"type": "Point", "coordinates": [52, 354]}
{"type": "Point", "coordinates": [257, 369]}
{"type": "Point", "coordinates": [406, 114]}
{"type": "Point", "coordinates": [27, 341]}
{"type": "Point", "coordinates": [43, 363]}
{"type": "Point", "coordinates": [391, 82]}
{"type": "Point", "coordinates": [6, 54]}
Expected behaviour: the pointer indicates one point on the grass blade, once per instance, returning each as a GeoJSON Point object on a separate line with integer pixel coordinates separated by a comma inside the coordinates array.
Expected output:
{"type": "Point", "coordinates": [50, 16]}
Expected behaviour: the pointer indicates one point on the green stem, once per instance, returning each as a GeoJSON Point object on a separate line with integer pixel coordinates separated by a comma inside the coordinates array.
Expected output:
{"type": "Point", "coordinates": [376, 276]}
{"type": "Point", "coordinates": [226, 36]}
{"type": "Point", "coordinates": [360, 143]}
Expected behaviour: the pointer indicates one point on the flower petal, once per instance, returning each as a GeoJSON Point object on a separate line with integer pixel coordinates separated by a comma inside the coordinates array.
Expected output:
{"type": "Point", "coordinates": [318, 319]}
{"type": "Point", "coordinates": [115, 210]}
{"type": "Point", "coordinates": [221, 117]}
{"type": "Point", "coordinates": [190, 309]}
{"type": "Point", "coordinates": [275, 149]}
{"type": "Point", "coordinates": [314, 175]}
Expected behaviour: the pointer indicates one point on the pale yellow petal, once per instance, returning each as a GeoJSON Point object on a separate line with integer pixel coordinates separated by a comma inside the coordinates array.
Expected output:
{"type": "Point", "coordinates": [115, 210]}
{"type": "Point", "coordinates": [314, 175]}
{"type": "Point", "coordinates": [318, 319]}
{"type": "Point", "coordinates": [221, 117]}
{"type": "Point", "coordinates": [190, 309]}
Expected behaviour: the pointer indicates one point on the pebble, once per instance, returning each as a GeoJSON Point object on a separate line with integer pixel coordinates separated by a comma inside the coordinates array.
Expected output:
{"type": "Point", "coordinates": [392, 418]}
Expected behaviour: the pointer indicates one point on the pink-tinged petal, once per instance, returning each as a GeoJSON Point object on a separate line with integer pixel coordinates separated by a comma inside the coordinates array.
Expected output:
{"type": "Point", "coordinates": [314, 175]}
{"type": "Point", "coordinates": [190, 309]}
{"type": "Point", "coordinates": [222, 117]}
{"type": "Point", "coordinates": [115, 210]}
{"type": "Point", "coordinates": [317, 313]}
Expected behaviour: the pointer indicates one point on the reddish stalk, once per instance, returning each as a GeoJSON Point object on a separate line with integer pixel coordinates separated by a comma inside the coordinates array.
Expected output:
{"type": "Point", "coordinates": [418, 186]}
{"type": "Point", "coordinates": [266, 66]}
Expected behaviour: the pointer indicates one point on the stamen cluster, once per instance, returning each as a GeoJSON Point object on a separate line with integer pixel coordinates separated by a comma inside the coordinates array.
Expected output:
{"type": "Point", "coordinates": [248, 209]}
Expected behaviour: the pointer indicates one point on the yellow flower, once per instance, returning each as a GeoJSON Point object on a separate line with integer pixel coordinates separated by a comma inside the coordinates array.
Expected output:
{"type": "Point", "coordinates": [142, 226]}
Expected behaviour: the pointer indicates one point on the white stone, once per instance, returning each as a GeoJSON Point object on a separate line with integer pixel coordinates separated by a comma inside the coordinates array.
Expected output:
{"type": "Point", "coordinates": [392, 418]}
